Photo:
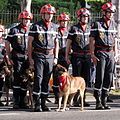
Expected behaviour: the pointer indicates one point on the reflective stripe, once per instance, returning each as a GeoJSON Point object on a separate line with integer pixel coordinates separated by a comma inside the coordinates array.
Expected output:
{"type": "Point", "coordinates": [105, 89]}
{"type": "Point", "coordinates": [97, 89]}
{"type": "Point", "coordinates": [55, 86]}
{"type": "Point", "coordinates": [78, 33]}
{"type": "Point", "coordinates": [45, 93]}
{"type": "Point", "coordinates": [35, 93]}
{"type": "Point", "coordinates": [64, 37]}
{"type": "Point", "coordinates": [18, 35]}
{"type": "Point", "coordinates": [48, 32]}
{"type": "Point", "coordinates": [18, 87]}
{"type": "Point", "coordinates": [103, 30]}
{"type": "Point", "coordinates": [23, 89]}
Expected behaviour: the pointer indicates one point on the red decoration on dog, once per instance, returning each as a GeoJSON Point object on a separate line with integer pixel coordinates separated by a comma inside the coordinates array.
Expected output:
{"type": "Point", "coordinates": [63, 81]}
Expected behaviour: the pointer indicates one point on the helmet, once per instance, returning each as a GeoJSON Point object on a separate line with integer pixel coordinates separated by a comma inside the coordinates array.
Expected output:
{"type": "Point", "coordinates": [63, 17]}
{"type": "Point", "coordinates": [83, 11]}
{"type": "Point", "coordinates": [48, 9]}
{"type": "Point", "coordinates": [26, 15]}
{"type": "Point", "coordinates": [1, 28]}
{"type": "Point", "coordinates": [109, 7]}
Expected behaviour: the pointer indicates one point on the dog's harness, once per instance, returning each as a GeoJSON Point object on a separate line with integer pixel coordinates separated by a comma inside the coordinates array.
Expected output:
{"type": "Point", "coordinates": [63, 80]}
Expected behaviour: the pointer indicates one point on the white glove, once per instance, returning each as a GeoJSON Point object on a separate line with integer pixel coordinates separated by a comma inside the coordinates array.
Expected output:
{"type": "Point", "coordinates": [55, 61]}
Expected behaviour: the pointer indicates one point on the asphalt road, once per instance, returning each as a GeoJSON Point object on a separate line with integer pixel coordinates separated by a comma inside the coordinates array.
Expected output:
{"type": "Point", "coordinates": [89, 113]}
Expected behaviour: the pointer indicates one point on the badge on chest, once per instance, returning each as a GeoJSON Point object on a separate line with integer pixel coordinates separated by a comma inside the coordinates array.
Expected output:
{"type": "Point", "coordinates": [41, 37]}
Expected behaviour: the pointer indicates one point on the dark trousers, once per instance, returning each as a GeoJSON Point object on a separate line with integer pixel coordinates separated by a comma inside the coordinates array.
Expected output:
{"type": "Point", "coordinates": [1, 86]}
{"type": "Point", "coordinates": [104, 70]}
{"type": "Point", "coordinates": [81, 66]}
{"type": "Point", "coordinates": [61, 61]}
{"type": "Point", "coordinates": [104, 76]}
{"type": "Point", "coordinates": [19, 85]}
{"type": "Point", "coordinates": [43, 69]}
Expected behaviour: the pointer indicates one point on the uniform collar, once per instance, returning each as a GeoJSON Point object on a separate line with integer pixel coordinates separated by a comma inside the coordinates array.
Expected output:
{"type": "Point", "coordinates": [47, 24]}
{"type": "Point", "coordinates": [62, 30]}
{"type": "Point", "coordinates": [25, 28]}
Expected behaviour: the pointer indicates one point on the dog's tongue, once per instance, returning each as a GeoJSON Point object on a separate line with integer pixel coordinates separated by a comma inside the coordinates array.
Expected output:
{"type": "Point", "coordinates": [62, 81]}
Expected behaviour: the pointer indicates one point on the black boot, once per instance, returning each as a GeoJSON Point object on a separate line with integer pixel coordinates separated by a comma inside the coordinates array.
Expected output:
{"type": "Point", "coordinates": [43, 101]}
{"type": "Point", "coordinates": [76, 99]}
{"type": "Point", "coordinates": [56, 93]}
{"type": "Point", "coordinates": [23, 101]}
{"type": "Point", "coordinates": [98, 100]}
{"type": "Point", "coordinates": [16, 98]}
{"type": "Point", "coordinates": [104, 99]}
{"type": "Point", "coordinates": [109, 99]}
{"type": "Point", "coordinates": [85, 103]}
{"type": "Point", "coordinates": [36, 100]}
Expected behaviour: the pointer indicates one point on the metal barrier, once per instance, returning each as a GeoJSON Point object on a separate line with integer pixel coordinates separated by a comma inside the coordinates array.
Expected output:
{"type": "Point", "coordinates": [8, 17]}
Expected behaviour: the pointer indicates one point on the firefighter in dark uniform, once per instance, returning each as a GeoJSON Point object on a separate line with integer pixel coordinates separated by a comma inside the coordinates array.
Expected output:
{"type": "Point", "coordinates": [78, 39]}
{"type": "Point", "coordinates": [63, 20]}
{"type": "Point", "coordinates": [102, 43]}
{"type": "Point", "coordinates": [16, 47]}
{"type": "Point", "coordinates": [43, 53]}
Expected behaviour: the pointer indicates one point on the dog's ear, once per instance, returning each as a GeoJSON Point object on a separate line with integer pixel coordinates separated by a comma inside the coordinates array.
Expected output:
{"type": "Point", "coordinates": [63, 69]}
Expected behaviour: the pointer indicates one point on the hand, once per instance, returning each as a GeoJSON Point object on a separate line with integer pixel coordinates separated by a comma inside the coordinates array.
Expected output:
{"type": "Point", "coordinates": [67, 60]}
{"type": "Point", "coordinates": [55, 61]}
{"type": "Point", "coordinates": [11, 62]}
{"type": "Point", "coordinates": [31, 64]}
{"type": "Point", "coordinates": [94, 59]}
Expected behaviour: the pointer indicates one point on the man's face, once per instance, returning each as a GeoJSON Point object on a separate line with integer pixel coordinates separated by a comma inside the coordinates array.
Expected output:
{"type": "Point", "coordinates": [48, 17]}
{"type": "Point", "coordinates": [84, 19]}
{"type": "Point", "coordinates": [109, 15]}
{"type": "Point", "coordinates": [26, 22]}
{"type": "Point", "coordinates": [63, 23]}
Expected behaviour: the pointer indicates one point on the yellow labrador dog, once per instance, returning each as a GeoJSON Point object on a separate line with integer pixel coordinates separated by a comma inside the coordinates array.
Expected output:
{"type": "Point", "coordinates": [69, 85]}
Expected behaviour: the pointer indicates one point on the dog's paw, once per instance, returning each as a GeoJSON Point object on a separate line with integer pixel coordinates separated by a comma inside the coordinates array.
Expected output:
{"type": "Point", "coordinates": [81, 109]}
{"type": "Point", "coordinates": [58, 110]}
{"type": "Point", "coordinates": [62, 110]}
{"type": "Point", "coordinates": [67, 108]}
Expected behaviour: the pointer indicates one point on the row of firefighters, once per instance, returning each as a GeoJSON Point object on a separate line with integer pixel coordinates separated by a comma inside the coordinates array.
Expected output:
{"type": "Point", "coordinates": [44, 44]}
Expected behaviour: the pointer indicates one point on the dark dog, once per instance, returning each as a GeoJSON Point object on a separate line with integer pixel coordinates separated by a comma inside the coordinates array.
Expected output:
{"type": "Point", "coordinates": [69, 85]}
{"type": "Point", "coordinates": [30, 76]}
{"type": "Point", "coordinates": [28, 80]}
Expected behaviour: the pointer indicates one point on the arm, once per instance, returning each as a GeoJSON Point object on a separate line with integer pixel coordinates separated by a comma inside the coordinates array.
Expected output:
{"type": "Point", "coordinates": [68, 49]}
{"type": "Point", "coordinates": [8, 49]}
{"type": "Point", "coordinates": [115, 49]}
{"type": "Point", "coordinates": [56, 51]}
{"type": "Point", "coordinates": [92, 48]}
{"type": "Point", "coordinates": [8, 52]}
{"type": "Point", "coordinates": [30, 39]}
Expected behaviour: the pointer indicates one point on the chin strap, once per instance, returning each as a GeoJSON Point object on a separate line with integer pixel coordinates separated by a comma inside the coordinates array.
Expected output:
{"type": "Point", "coordinates": [62, 29]}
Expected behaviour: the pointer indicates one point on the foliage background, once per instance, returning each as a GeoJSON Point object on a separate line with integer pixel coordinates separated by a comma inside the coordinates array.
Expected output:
{"type": "Point", "coordinates": [9, 9]}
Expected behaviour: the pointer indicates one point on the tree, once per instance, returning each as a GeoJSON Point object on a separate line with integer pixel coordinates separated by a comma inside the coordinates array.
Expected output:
{"type": "Point", "coordinates": [3, 4]}
{"type": "Point", "coordinates": [26, 5]}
